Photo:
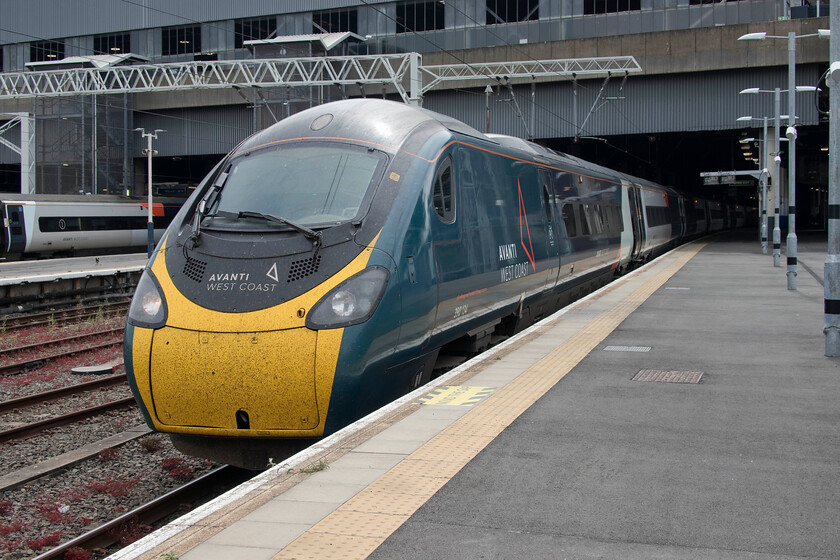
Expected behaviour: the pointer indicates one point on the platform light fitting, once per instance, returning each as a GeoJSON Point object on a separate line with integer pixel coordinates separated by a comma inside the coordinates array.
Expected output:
{"type": "Point", "coordinates": [834, 71]}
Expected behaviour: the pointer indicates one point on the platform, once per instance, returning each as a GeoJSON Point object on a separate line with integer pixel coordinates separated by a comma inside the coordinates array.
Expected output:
{"type": "Point", "coordinates": [50, 270]}
{"type": "Point", "coordinates": [684, 411]}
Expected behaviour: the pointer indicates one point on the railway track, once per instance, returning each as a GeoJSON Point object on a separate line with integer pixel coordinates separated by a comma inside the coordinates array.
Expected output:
{"type": "Point", "coordinates": [27, 356]}
{"type": "Point", "coordinates": [32, 428]}
{"type": "Point", "coordinates": [63, 481]}
{"type": "Point", "coordinates": [153, 512]}
{"type": "Point", "coordinates": [47, 396]}
{"type": "Point", "coordinates": [14, 323]}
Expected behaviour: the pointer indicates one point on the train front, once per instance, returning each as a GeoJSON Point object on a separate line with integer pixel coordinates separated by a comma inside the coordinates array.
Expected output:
{"type": "Point", "coordinates": [235, 329]}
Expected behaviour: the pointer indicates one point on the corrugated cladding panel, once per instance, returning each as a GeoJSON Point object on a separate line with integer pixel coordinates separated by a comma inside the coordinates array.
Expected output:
{"type": "Point", "coordinates": [53, 20]}
{"type": "Point", "coordinates": [560, 19]}
{"type": "Point", "coordinates": [200, 130]}
{"type": "Point", "coordinates": [649, 104]}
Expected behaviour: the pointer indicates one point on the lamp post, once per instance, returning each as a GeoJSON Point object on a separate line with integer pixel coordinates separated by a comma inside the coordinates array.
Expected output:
{"type": "Point", "coordinates": [777, 234]}
{"type": "Point", "coordinates": [832, 260]}
{"type": "Point", "coordinates": [791, 135]}
{"type": "Point", "coordinates": [149, 152]}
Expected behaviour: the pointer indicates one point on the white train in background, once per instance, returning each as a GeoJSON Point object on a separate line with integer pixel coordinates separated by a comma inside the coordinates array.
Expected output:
{"type": "Point", "coordinates": [49, 225]}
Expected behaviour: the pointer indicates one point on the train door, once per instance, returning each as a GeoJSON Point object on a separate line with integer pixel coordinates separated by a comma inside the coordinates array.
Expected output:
{"type": "Point", "coordinates": [14, 228]}
{"type": "Point", "coordinates": [556, 231]}
{"type": "Point", "coordinates": [636, 221]}
{"type": "Point", "coordinates": [457, 245]}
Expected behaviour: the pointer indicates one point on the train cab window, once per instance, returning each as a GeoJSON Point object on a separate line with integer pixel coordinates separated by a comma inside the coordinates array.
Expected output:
{"type": "Point", "coordinates": [443, 194]}
{"type": "Point", "coordinates": [569, 220]}
{"type": "Point", "coordinates": [317, 184]}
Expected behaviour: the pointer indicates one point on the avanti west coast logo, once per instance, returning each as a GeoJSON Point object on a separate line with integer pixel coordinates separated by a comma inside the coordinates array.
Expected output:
{"type": "Point", "coordinates": [242, 282]}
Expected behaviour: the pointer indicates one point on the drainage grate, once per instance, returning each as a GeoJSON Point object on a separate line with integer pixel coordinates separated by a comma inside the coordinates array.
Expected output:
{"type": "Point", "coordinates": [627, 349]}
{"type": "Point", "coordinates": [668, 376]}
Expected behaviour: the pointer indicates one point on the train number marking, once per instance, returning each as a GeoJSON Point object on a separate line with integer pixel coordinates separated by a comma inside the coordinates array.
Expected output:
{"type": "Point", "coordinates": [461, 310]}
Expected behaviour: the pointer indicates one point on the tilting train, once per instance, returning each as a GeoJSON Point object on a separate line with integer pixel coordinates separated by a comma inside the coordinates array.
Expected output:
{"type": "Point", "coordinates": [45, 225]}
{"type": "Point", "coordinates": [322, 267]}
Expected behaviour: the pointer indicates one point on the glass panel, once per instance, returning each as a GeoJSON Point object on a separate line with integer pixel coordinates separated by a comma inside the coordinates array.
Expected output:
{"type": "Point", "coordinates": [309, 185]}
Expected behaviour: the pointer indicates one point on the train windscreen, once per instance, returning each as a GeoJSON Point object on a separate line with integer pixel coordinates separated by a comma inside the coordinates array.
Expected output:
{"type": "Point", "coordinates": [307, 184]}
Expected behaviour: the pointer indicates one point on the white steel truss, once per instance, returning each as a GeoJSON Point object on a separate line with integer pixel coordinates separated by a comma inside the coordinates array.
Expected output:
{"type": "Point", "coordinates": [569, 68]}
{"type": "Point", "coordinates": [217, 74]}
{"type": "Point", "coordinates": [403, 72]}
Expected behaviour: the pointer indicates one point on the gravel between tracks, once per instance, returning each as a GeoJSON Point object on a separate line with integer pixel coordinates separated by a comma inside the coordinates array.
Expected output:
{"type": "Point", "coordinates": [52, 510]}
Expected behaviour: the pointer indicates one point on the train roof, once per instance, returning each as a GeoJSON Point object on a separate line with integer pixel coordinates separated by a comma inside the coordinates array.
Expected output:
{"type": "Point", "coordinates": [386, 124]}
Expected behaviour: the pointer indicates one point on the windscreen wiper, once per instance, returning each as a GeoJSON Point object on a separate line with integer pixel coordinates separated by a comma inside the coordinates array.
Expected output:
{"type": "Point", "coordinates": [307, 232]}
{"type": "Point", "coordinates": [206, 202]}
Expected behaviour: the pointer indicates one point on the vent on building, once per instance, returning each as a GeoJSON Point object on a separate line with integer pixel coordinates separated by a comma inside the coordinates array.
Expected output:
{"type": "Point", "coordinates": [194, 269]}
{"type": "Point", "coordinates": [303, 268]}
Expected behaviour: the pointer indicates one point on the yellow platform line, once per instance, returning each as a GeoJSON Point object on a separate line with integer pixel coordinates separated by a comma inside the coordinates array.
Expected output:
{"type": "Point", "coordinates": [360, 525]}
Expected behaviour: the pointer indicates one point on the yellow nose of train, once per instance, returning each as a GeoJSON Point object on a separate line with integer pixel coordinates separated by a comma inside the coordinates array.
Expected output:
{"type": "Point", "coordinates": [260, 373]}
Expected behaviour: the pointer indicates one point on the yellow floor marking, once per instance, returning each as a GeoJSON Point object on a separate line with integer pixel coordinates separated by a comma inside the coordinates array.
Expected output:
{"type": "Point", "coordinates": [453, 395]}
{"type": "Point", "coordinates": [360, 525]}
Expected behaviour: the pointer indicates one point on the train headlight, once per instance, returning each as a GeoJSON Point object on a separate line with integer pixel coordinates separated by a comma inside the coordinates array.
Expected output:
{"type": "Point", "coordinates": [148, 307]}
{"type": "Point", "coordinates": [351, 302]}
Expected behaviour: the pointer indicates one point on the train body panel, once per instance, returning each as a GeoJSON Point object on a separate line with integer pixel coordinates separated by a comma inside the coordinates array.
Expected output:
{"type": "Point", "coordinates": [322, 268]}
{"type": "Point", "coordinates": [47, 224]}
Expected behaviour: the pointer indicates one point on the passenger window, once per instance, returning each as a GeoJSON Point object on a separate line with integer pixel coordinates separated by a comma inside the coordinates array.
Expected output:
{"type": "Point", "coordinates": [443, 195]}
{"type": "Point", "coordinates": [569, 220]}
{"type": "Point", "coordinates": [584, 221]}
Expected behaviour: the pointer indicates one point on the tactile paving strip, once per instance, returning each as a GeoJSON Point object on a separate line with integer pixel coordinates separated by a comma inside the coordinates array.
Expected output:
{"type": "Point", "coordinates": [357, 528]}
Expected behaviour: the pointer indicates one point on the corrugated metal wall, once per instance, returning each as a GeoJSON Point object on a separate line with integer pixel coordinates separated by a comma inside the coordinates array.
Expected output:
{"type": "Point", "coordinates": [28, 20]}
{"type": "Point", "coordinates": [699, 101]}
{"type": "Point", "coordinates": [196, 131]}
{"type": "Point", "coordinates": [704, 101]}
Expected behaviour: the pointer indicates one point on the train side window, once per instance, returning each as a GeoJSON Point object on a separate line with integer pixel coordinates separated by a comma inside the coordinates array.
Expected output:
{"type": "Point", "coordinates": [584, 221]}
{"type": "Point", "coordinates": [547, 202]}
{"type": "Point", "coordinates": [605, 218]}
{"type": "Point", "coordinates": [545, 178]}
{"type": "Point", "coordinates": [443, 195]}
{"type": "Point", "coordinates": [569, 220]}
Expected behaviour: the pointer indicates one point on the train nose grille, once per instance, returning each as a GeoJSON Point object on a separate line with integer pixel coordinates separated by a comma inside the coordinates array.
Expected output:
{"type": "Point", "coordinates": [194, 269]}
{"type": "Point", "coordinates": [303, 268]}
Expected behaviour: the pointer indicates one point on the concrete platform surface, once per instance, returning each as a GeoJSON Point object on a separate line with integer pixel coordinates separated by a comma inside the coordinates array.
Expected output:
{"type": "Point", "coordinates": [548, 447]}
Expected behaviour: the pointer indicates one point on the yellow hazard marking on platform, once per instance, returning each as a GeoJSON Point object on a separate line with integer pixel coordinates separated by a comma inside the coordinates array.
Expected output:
{"type": "Point", "coordinates": [360, 525]}
{"type": "Point", "coordinates": [455, 395]}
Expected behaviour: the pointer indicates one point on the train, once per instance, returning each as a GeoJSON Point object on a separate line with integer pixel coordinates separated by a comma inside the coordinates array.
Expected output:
{"type": "Point", "coordinates": [326, 265]}
{"type": "Point", "coordinates": [40, 225]}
